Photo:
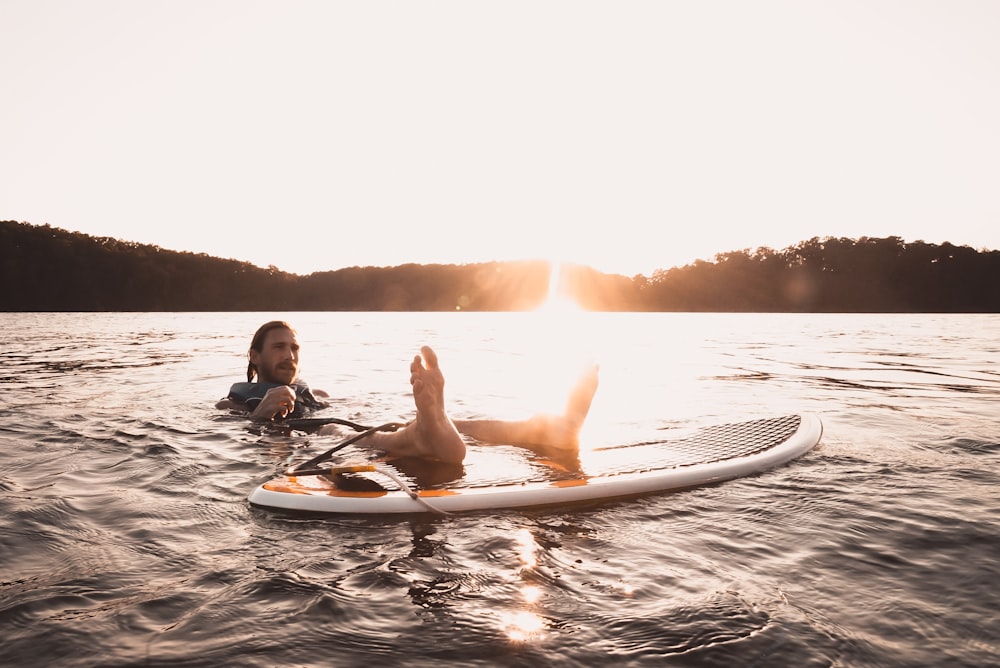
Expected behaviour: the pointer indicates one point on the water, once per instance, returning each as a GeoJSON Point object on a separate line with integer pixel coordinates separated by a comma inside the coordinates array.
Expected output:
{"type": "Point", "coordinates": [126, 539]}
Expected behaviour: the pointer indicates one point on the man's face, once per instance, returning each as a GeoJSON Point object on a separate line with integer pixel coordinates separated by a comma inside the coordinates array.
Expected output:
{"type": "Point", "coordinates": [278, 360]}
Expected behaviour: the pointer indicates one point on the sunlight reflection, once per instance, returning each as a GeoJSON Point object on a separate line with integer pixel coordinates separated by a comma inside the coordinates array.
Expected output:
{"type": "Point", "coordinates": [625, 588]}
{"type": "Point", "coordinates": [526, 548]}
{"type": "Point", "coordinates": [522, 626]}
{"type": "Point", "coordinates": [561, 339]}
{"type": "Point", "coordinates": [531, 593]}
{"type": "Point", "coordinates": [560, 345]}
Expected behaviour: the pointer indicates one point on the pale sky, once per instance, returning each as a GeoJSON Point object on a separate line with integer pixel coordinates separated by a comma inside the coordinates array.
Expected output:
{"type": "Point", "coordinates": [628, 136]}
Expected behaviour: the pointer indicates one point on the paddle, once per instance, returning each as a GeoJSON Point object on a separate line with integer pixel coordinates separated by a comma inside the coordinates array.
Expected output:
{"type": "Point", "coordinates": [322, 457]}
{"type": "Point", "coordinates": [310, 467]}
{"type": "Point", "coordinates": [305, 424]}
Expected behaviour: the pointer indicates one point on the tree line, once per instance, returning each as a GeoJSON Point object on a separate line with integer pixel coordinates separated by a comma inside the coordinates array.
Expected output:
{"type": "Point", "coordinates": [48, 269]}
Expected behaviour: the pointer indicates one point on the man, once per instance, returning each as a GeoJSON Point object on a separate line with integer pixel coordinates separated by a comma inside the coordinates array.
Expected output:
{"type": "Point", "coordinates": [278, 393]}
{"type": "Point", "coordinates": [274, 361]}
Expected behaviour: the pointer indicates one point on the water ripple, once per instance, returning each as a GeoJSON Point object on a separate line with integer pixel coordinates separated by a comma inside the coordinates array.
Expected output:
{"type": "Point", "coordinates": [126, 538]}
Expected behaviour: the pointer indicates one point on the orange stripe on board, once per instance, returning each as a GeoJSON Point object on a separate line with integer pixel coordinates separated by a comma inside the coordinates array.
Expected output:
{"type": "Point", "coordinates": [355, 495]}
{"type": "Point", "coordinates": [275, 486]}
{"type": "Point", "coordinates": [568, 483]}
{"type": "Point", "coordinates": [291, 485]}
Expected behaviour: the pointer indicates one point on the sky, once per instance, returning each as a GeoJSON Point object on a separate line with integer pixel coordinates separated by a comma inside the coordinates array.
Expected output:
{"type": "Point", "coordinates": [627, 136]}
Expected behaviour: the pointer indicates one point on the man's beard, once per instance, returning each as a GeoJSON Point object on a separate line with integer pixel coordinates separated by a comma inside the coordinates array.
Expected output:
{"type": "Point", "coordinates": [283, 373]}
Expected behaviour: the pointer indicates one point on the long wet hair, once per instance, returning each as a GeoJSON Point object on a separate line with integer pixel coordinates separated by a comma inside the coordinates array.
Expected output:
{"type": "Point", "coordinates": [258, 342]}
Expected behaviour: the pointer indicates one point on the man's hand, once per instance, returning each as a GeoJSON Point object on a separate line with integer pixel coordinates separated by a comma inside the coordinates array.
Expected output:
{"type": "Point", "coordinates": [278, 402]}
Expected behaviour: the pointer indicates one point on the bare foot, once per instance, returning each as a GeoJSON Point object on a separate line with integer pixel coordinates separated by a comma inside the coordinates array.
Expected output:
{"type": "Point", "coordinates": [546, 432]}
{"type": "Point", "coordinates": [434, 434]}
{"type": "Point", "coordinates": [431, 434]}
{"type": "Point", "coordinates": [581, 397]}
{"type": "Point", "coordinates": [562, 432]}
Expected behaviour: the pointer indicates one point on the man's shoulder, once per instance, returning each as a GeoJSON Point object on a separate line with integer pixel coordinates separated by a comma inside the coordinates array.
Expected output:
{"type": "Point", "coordinates": [247, 390]}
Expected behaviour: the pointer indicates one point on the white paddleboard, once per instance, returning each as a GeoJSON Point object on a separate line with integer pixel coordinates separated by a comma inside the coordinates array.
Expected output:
{"type": "Point", "coordinates": [706, 456]}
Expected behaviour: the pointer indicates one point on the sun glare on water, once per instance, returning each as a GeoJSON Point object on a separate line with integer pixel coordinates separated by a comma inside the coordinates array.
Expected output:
{"type": "Point", "coordinates": [525, 624]}
{"type": "Point", "coordinates": [567, 339]}
{"type": "Point", "coordinates": [562, 345]}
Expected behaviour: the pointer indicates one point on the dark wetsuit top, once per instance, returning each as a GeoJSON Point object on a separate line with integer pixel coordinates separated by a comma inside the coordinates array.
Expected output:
{"type": "Point", "coordinates": [251, 394]}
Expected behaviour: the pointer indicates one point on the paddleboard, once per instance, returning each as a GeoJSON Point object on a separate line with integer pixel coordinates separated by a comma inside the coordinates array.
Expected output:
{"type": "Point", "coordinates": [705, 456]}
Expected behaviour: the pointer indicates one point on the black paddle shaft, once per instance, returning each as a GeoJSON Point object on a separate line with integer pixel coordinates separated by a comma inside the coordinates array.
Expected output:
{"type": "Point", "coordinates": [322, 457]}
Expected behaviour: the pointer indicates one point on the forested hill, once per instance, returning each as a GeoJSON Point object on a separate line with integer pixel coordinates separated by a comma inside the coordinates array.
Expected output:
{"type": "Point", "coordinates": [47, 269]}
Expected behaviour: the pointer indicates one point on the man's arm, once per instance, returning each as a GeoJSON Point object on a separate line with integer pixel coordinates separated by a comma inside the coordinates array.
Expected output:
{"type": "Point", "coordinates": [277, 401]}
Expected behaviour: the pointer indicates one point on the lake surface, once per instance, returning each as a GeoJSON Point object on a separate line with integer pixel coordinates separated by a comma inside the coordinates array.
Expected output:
{"type": "Point", "coordinates": [126, 538]}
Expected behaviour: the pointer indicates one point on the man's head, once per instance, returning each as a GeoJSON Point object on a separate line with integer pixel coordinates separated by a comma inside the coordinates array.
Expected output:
{"type": "Point", "coordinates": [274, 354]}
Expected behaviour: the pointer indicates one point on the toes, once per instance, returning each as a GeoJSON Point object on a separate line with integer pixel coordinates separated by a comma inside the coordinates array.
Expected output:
{"type": "Point", "coordinates": [430, 357]}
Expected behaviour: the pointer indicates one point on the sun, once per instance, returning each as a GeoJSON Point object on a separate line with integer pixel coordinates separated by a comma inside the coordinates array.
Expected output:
{"type": "Point", "coordinates": [560, 344]}
{"type": "Point", "coordinates": [558, 300]}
